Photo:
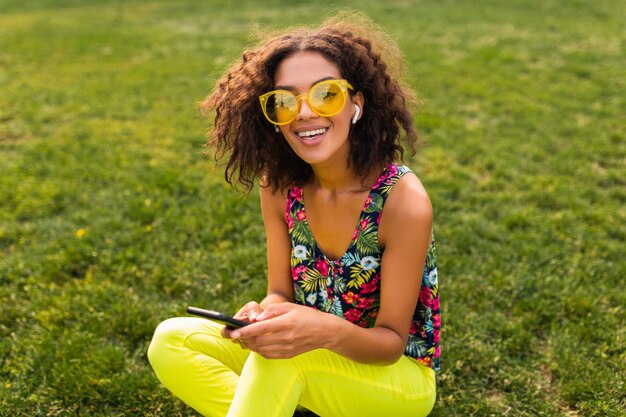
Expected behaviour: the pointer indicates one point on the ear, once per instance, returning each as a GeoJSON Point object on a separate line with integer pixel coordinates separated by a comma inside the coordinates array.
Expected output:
{"type": "Point", "coordinates": [358, 102]}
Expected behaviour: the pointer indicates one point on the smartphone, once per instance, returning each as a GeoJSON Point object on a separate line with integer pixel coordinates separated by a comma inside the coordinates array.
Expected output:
{"type": "Point", "coordinates": [227, 321]}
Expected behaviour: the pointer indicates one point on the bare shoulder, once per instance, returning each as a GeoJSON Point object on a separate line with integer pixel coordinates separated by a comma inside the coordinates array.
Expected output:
{"type": "Point", "coordinates": [408, 208]}
{"type": "Point", "coordinates": [272, 201]}
{"type": "Point", "coordinates": [409, 198]}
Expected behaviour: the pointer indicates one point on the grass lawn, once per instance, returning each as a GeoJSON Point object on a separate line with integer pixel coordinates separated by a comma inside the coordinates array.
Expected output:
{"type": "Point", "coordinates": [113, 217]}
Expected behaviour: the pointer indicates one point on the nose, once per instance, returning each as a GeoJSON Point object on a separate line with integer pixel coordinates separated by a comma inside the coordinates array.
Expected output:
{"type": "Point", "coordinates": [304, 110]}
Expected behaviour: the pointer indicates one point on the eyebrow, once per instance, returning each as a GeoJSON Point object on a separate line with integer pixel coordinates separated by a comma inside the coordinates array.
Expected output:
{"type": "Point", "coordinates": [291, 88]}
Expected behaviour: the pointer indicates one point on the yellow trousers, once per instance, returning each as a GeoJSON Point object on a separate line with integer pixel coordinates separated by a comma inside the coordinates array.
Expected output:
{"type": "Point", "coordinates": [218, 378]}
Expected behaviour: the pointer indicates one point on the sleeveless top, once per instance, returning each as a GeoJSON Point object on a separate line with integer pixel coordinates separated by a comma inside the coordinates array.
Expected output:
{"type": "Point", "coordinates": [350, 286]}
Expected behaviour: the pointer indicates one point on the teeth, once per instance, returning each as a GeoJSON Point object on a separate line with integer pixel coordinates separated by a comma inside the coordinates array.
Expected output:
{"type": "Point", "coordinates": [310, 133]}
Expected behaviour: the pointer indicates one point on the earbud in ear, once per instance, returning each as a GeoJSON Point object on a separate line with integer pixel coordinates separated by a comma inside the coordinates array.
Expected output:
{"type": "Point", "coordinates": [356, 114]}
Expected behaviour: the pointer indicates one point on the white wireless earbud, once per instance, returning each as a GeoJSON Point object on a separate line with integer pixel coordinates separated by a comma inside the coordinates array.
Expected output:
{"type": "Point", "coordinates": [356, 114]}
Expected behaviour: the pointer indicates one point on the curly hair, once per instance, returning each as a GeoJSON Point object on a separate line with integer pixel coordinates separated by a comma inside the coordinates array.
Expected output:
{"type": "Point", "coordinates": [364, 55]}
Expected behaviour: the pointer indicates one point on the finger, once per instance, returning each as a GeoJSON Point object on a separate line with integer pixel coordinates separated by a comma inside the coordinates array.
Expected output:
{"type": "Point", "coordinates": [259, 328]}
{"type": "Point", "coordinates": [249, 311]}
{"type": "Point", "coordinates": [243, 311]}
{"type": "Point", "coordinates": [227, 332]}
{"type": "Point", "coordinates": [254, 311]}
{"type": "Point", "coordinates": [241, 343]}
{"type": "Point", "coordinates": [275, 310]}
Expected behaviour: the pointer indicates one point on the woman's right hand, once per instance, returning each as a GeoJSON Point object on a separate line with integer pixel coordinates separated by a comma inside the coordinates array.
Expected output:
{"type": "Point", "coordinates": [248, 312]}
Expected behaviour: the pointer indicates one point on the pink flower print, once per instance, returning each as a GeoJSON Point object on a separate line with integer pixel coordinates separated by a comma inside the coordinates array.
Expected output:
{"type": "Point", "coordinates": [322, 267]}
{"type": "Point", "coordinates": [355, 234]}
{"type": "Point", "coordinates": [370, 286]}
{"type": "Point", "coordinates": [365, 303]}
{"type": "Point", "coordinates": [296, 193]}
{"type": "Point", "coordinates": [437, 321]}
{"type": "Point", "coordinates": [290, 221]}
{"type": "Point", "coordinates": [436, 336]}
{"type": "Point", "coordinates": [301, 215]}
{"type": "Point", "coordinates": [391, 170]}
{"type": "Point", "coordinates": [425, 298]}
{"type": "Point", "coordinates": [363, 224]}
{"type": "Point", "coordinates": [353, 315]}
{"type": "Point", "coordinates": [435, 303]}
{"type": "Point", "coordinates": [437, 352]}
{"type": "Point", "coordinates": [298, 271]}
{"type": "Point", "coordinates": [380, 214]}
{"type": "Point", "coordinates": [412, 329]}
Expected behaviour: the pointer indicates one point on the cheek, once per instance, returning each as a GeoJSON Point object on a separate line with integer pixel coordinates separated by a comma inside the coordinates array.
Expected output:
{"type": "Point", "coordinates": [343, 121]}
{"type": "Point", "coordinates": [344, 117]}
{"type": "Point", "coordinates": [349, 112]}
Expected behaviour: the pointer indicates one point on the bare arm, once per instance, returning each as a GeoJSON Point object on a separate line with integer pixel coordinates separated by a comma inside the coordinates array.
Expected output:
{"type": "Point", "coordinates": [279, 285]}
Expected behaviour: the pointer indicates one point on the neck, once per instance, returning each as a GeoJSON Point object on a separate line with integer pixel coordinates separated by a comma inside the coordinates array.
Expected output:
{"type": "Point", "coordinates": [336, 179]}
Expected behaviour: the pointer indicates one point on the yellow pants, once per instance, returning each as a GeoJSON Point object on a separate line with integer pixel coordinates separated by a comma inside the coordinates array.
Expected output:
{"type": "Point", "coordinates": [218, 378]}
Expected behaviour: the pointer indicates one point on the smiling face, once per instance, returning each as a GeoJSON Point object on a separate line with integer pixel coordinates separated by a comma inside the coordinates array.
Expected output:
{"type": "Point", "coordinates": [319, 141]}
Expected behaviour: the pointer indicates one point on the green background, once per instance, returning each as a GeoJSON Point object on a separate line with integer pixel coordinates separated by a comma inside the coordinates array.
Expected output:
{"type": "Point", "coordinates": [113, 216]}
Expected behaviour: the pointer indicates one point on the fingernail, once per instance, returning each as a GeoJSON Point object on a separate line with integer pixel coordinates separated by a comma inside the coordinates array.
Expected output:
{"type": "Point", "coordinates": [253, 316]}
{"type": "Point", "coordinates": [235, 335]}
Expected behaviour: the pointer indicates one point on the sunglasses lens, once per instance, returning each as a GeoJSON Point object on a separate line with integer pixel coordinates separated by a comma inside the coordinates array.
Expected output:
{"type": "Point", "coordinates": [281, 106]}
{"type": "Point", "coordinates": [327, 98]}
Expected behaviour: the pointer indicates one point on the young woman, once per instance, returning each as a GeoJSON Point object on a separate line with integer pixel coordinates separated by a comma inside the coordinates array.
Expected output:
{"type": "Point", "coordinates": [350, 324]}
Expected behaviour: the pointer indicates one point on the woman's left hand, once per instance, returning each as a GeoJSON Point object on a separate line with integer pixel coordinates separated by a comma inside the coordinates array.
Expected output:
{"type": "Point", "coordinates": [284, 330]}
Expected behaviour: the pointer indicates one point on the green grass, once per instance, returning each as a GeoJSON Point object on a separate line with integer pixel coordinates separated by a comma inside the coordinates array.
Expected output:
{"type": "Point", "coordinates": [113, 217]}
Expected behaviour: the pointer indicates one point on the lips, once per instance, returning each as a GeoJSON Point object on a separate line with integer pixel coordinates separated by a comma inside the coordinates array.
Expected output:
{"type": "Point", "coordinates": [311, 135]}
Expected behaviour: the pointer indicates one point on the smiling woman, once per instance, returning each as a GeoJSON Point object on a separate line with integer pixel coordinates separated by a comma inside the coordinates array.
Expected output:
{"type": "Point", "coordinates": [360, 55]}
{"type": "Point", "coordinates": [350, 324]}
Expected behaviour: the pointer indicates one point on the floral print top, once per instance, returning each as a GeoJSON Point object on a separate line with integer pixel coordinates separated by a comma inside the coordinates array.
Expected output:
{"type": "Point", "coordinates": [350, 287]}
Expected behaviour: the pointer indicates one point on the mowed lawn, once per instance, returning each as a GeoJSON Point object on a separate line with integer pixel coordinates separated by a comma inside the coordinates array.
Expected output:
{"type": "Point", "coordinates": [113, 216]}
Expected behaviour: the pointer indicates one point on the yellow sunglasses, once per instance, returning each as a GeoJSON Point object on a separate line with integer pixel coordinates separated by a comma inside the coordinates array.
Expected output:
{"type": "Point", "coordinates": [326, 98]}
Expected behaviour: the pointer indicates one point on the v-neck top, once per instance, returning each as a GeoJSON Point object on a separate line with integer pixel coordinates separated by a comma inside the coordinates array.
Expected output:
{"type": "Point", "coordinates": [349, 287]}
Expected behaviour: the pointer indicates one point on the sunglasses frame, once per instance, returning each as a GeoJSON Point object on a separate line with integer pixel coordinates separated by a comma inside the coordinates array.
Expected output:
{"type": "Point", "coordinates": [343, 85]}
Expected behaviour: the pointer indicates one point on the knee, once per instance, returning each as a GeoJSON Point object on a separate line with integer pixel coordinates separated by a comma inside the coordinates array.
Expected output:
{"type": "Point", "coordinates": [164, 338]}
